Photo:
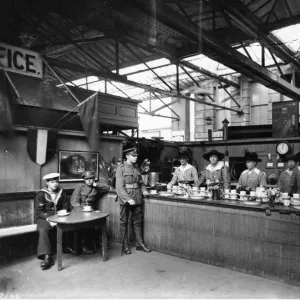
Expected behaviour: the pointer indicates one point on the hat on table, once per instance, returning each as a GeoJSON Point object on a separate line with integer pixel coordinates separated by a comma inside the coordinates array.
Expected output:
{"type": "Point", "coordinates": [131, 151]}
{"type": "Point", "coordinates": [252, 156]}
{"type": "Point", "coordinates": [207, 155]}
{"type": "Point", "coordinates": [51, 176]}
{"type": "Point", "coordinates": [88, 174]}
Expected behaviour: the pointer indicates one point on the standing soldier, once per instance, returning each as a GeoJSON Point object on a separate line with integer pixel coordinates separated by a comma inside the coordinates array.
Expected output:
{"type": "Point", "coordinates": [130, 189]}
{"type": "Point", "coordinates": [86, 194]}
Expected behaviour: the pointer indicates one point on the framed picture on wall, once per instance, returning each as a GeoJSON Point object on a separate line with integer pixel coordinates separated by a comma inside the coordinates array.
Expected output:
{"type": "Point", "coordinates": [285, 118]}
{"type": "Point", "coordinates": [72, 164]}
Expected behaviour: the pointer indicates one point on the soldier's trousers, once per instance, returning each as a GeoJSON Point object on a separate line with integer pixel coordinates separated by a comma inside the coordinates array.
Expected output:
{"type": "Point", "coordinates": [136, 212]}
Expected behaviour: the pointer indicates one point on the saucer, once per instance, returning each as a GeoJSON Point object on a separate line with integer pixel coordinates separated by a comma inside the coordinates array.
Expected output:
{"type": "Point", "coordinates": [296, 206]}
{"type": "Point", "coordinates": [153, 193]}
{"type": "Point", "coordinates": [252, 202]}
{"type": "Point", "coordinates": [197, 197]}
{"type": "Point", "coordinates": [167, 194]}
{"type": "Point", "coordinates": [235, 198]}
{"type": "Point", "coordinates": [87, 210]}
{"type": "Point", "coordinates": [63, 215]}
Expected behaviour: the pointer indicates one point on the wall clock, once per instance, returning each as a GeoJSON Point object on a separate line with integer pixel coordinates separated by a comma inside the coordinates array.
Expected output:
{"type": "Point", "coordinates": [282, 148]}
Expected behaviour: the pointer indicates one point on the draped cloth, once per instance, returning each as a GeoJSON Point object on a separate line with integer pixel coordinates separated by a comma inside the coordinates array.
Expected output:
{"type": "Point", "coordinates": [89, 116]}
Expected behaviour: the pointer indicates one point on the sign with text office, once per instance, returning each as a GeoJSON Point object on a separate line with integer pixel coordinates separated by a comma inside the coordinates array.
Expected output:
{"type": "Point", "coordinates": [285, 119]}
{"type": "Point", "coordinates": [21, 61]}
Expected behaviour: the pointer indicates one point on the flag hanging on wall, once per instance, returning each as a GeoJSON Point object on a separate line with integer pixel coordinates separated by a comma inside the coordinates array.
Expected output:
{"type": "Point", "coordinates": [41, 145]}
{"type": "Point", "coordinates": [88, 112]}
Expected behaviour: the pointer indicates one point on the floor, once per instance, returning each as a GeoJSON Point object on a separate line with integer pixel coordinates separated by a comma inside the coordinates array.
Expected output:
{"type": "Point", "coordinates": [139, 275]}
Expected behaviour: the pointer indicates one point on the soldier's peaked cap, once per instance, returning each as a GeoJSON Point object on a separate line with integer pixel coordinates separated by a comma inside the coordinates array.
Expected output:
{"type": "Point", "coordinates": [88, 174]}
{"type": "Point", "coordinates": [131, 151]}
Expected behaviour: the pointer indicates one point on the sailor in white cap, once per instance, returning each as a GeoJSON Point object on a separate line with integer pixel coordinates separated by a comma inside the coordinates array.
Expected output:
{"type": "Point", "coordinates": [48, 201]}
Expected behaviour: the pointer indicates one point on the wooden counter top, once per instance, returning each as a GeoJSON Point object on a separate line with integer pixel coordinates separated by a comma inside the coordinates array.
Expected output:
{"type": "Point", "coordinates": [230, 204]}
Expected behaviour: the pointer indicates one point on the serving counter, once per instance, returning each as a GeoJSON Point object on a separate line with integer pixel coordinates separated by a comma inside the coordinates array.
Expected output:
{"type": "Point", "coordinates": [227, 233]}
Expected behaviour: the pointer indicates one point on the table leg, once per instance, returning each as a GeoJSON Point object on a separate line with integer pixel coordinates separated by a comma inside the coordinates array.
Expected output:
{"type": "Point", "coordinates": [59, 248]}
{"type": "Point", "coordinates": [104, 240]}
{"type": "Point", "coordinates": [76, 242]}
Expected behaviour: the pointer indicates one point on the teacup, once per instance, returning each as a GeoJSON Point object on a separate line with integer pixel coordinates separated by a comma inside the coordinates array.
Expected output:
{"type": "Point", "coordinates": [296, 196]}
{"type": "Point", "coordinates": [202, 189]}
{"type": "Point", "coordinates": [154, 191]}
{"type": "Point", "coordinates": [233, 191]}
{"type": "Point", "coordinates": [195, 188]}
{"type": "Point", "coordinates": [87, 208]}
{"type": "Point", "coordinates": [227, 191]}
{"type": "Point", "coordinates": [285, 195]}
{"type": "Point", "coordinates": [233, 197]}
{"type": "Point", "coordinates": [62, 212]}
{"type": "Point", "coordinates": [286, 202]}
{"type": "Point", "coordinates": [242, 193]}
{"type": "Point", "coordinates": [226, 196]}
{"type": "Point", "coordinates": [252, 194]}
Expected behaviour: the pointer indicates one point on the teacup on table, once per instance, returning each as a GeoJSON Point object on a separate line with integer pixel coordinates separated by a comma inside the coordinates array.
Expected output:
{"type": "Point", "coordinates": [155, 192]}
{"type": "Point", "coordinates": [87, 208]}
{"type": "Point", "coordinates": [242, 193]}
{"type": "Point", "coordinates": [286, 202]}
{"type": "Point", "coordinates": [285, 195]}
{"type": "Point", "coordinates": [202, 189]}
{"type": "Point", "coordinates": [296, 196]}
{"type": "Point", "coordinates": [62, 212]}
{"type": "Point", "coordinates": [195, 188]}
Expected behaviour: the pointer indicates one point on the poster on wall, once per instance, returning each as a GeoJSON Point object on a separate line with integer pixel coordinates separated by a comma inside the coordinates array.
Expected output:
{"type": "Point", "coordinates": [72, 164]}
{"type": "Point", "coordinates": [285, 119]}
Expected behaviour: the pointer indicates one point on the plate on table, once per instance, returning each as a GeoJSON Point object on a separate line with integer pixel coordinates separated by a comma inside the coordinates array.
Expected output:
{"type": "Point", "coordinates": [251, 202]}
{"type": "Point", "coordinates": [63, 215]}
{"type": "Point", "coordinates": [88, 210]}
{"type": "Point", "coordinates": [296, 206]}
{"type": "Point", "coordinates": [166, 194]}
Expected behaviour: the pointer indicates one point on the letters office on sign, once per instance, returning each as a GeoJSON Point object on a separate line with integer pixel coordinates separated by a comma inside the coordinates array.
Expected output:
{"type": "Point", "coordinates": [21, 61]}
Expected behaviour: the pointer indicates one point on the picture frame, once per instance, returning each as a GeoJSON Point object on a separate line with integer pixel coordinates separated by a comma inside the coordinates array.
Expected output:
{"type": "Point", "coordinates": [72, 164]}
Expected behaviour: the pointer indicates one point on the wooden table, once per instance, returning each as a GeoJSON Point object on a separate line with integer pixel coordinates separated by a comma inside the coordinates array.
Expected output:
{"type": "Point", "coordinates": [78, 220]}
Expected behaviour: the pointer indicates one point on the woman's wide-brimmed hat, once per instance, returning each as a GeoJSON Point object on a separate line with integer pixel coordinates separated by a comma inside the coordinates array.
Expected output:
{"type": "Point", "coordinates": [294, 157]}
{"type": "Point", "coordinates": [252, 156]}
{"type": "Point", "coordinates": [185, 154]}
{"type": "Point", "coordinates": [213, 152]}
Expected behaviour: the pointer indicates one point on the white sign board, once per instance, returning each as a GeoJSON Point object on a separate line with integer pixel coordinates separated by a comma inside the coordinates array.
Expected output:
{"type": "Point", "coordinates": [21, 61]}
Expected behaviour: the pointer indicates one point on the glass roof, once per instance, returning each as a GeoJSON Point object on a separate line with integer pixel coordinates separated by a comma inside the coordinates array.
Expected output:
{"type": "Point", "coordinates": [163, 73]}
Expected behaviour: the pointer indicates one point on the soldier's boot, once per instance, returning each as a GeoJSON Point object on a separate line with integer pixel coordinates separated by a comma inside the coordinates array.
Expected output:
{"type": "Point", "coordinates": [125, 245]}
{"type": "Point", "coordinates": [140, 246]}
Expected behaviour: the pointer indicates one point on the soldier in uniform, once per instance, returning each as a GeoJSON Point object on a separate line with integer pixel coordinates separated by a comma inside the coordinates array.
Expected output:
{"type": "Point", "coordinates": [130, 189]}
{"type": "Point", "coordinates": [252, 177]}
{"type": "Point", "coordinates": [86, 194]}
{"type": "Point", "coordinates": [48, 201]}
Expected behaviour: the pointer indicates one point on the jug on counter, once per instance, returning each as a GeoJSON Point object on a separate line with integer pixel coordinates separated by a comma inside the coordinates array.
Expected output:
{"type": "Point", "coordinates": [153, 178]}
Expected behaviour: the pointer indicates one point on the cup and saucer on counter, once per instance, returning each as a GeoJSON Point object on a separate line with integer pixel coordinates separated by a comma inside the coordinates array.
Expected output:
{"type": "Point", "coordinates": [154, 192]}
{"type": "Point", "coordinates": [62, 213]}
{"type": "Point", "coordinates": [295, 201]}
{"type": "Point", "coordinates": [87, 208]}
{"type": "Point", "coordinates": [226, 194]}
{"type": "Point", "coordinates": [243, 196]}
{"type": "Point", "coordinates": [233, 195]}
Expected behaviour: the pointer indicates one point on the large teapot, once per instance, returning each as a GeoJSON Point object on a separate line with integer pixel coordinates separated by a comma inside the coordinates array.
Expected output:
{"type": "Point", "coordinates": [153, 178]}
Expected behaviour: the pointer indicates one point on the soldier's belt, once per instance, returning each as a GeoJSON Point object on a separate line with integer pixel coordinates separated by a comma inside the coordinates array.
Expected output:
{"type": "Point", "coordinates": [131, 185]}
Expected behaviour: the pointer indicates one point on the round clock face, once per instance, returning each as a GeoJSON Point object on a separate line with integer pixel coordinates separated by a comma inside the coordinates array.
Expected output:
{"type": "Point", "coordinates": [282, 148]}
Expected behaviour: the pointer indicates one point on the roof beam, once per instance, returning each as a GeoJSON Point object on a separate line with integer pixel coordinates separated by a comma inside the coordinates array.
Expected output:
{"type": "Point", "coordinates": [249, 23]}
{"type": "Point", "coordinates": [118, 78]}
{"type": "Point", "coordinates": [224, 53]}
